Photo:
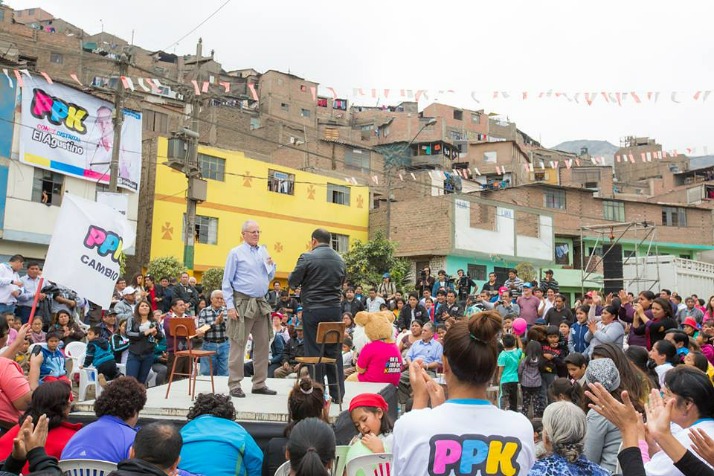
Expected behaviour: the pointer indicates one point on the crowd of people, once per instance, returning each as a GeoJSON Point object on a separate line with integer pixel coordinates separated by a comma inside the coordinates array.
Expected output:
{"type": "Point", "coordinates": [508, 379]}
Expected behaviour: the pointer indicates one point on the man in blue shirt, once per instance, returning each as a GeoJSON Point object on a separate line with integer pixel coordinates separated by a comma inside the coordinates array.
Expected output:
{"type": "Point", "coordinates": [429, 352]}
{"type": "Point", "coordinates": [248, 272]}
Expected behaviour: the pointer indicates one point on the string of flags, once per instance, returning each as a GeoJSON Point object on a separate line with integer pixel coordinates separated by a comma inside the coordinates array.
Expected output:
{"type": "Point", "coordinates": [618, 98]}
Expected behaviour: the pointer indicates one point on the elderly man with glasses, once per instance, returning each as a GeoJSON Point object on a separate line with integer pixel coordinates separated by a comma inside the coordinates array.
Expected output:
{"type": "Point", "coordinates": [247, 275]}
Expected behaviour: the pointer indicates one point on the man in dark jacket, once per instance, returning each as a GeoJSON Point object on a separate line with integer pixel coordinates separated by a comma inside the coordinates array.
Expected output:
{"type": "Point", "coordinates": [320, 273]}
{"type": "Point", "coordinates": [351, 304]}
{"type": "Point", "coordinates": [155, 451]}
{"type": "Point", "coordinates": [413, 311]}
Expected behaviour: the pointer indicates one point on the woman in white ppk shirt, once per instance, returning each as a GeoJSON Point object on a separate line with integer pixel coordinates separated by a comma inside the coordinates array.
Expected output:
{"type": "Point", "coordinates": [465, 434]}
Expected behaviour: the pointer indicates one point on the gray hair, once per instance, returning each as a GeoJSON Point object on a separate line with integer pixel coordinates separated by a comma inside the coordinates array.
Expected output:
{"type": "Point", "coordinates": [428, 325]}
{"type": "Point", "coordinates": [216, 292]}
{"type": "Point", "coordinates": [246, 224]}
{"type": "Point", "coordinates": [564, 424]}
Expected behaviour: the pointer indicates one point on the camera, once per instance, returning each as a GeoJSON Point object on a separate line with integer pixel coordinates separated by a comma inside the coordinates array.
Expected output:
{"type": "Point", "coordinates": [423, 274]}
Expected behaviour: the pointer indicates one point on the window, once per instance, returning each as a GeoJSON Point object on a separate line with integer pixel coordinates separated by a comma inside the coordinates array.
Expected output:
{"type": "Point", "coordinates": [459, 115]}
{"type": "Point", "coordinates": [284, 106]}
{"type": "Point", "coordinates": [613, 211]}
{"type": "Point", "coordinates": [206, 230]}
{"type": "Point", "coordinates": [553, 198]}
{"type": "Point", "coordinates": [685, 256]}
{"type": "Point", "coordinates": [477, 272]}
{"type": "Point", "coordinates": [358, 159]}
{"type": "Point", "coordinates": [366, 132]}
{"type": "Point", "coordinates": [340, 243]}
{"type": "Point", "coordinates": [674, 216]}
{"type": "Point", "coordinates": [254, 123]}
{"type": "Point", "coordinates": [213, 168]}
{"type": "Point", "coordinates": [280, 182]}
{"type": "Point", "coordinates": [539, 176]}
{"type": "Point", "coordinates": [475, 118]}
{"type": "Point", "coordinates": [562, 253]}
{"type": "Point", "coordinates": [155, 121]}
{"type": "Point", "coordinates": [321, 102]}
{"type": "Point", "coordinates": [340, 104]}
{"type": "Point", "coordinates": [338, 194]}
{"type": "Point", "coordinates": [56, 58]}
{"type": "Point", "coordinates": [304, 113]}
{"type": "Point", "coordinates": [47, 187]}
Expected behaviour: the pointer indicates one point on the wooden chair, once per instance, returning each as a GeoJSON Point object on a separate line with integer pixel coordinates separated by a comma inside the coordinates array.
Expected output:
{"type": "Point", "coordinates": [186, 327]}
{"type": "Point", "coordinates": [327, 333]}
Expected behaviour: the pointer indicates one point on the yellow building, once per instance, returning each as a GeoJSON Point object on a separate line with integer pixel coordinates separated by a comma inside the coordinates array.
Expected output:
{"type": "Point", "coordinates": [288, 204]}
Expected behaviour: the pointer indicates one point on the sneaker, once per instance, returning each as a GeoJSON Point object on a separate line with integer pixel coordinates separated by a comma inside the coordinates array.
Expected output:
{"type": "Point", "coordinates": [102, 380]}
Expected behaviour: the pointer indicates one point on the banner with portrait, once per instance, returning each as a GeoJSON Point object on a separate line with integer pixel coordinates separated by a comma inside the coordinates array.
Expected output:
{"type": "Point", "coordinates": [72, 133]}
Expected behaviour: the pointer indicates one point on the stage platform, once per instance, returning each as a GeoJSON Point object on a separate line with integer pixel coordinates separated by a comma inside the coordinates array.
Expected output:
{"type": "Point", "coordinates": [262, 415]}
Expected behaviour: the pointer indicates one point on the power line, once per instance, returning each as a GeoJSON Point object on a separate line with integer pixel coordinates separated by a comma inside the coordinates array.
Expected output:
{"type": "Point", "coordinates": [199, 25]}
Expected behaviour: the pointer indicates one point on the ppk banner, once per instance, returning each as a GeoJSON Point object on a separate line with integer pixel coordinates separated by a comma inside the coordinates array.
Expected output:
{"type": "Point", "coordinates": [72, 133]}
{"type": "Point", "coordinates": [85, 248]}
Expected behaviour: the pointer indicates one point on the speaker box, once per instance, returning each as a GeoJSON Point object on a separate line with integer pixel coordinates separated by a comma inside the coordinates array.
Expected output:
{"type": "Point", "coordinates": [612, 269]}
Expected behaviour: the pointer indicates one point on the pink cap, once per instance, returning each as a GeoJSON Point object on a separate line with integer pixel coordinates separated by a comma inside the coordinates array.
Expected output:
{"type": "Point", "coordinates": [502, 289]}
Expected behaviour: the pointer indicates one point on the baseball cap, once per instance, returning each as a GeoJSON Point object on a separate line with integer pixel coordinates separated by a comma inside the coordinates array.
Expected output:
{"type": "Point", "coordinates": [589, 294]}
{"type": "Point", "coordinates": [548, 271]}
{"type": "Point", "coordinates": [503, 289]}
{"type": "Point", "coordinates": [386, 275]}
{"type": "Point", "coordinates": [128, 290]}
{"type": "Point", "coordinates": [527, 285]}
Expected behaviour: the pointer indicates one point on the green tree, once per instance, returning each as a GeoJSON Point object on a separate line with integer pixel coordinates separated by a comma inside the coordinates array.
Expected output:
{"type": "Point", "coordinates": [165, 266]}
{"type": "Point", "coordinates": [366, 262]}
{"type": "Point", "coordinates": [211, 280]}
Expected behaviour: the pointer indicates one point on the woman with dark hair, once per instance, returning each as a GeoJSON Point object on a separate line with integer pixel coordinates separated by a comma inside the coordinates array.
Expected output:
{"type": "Point", "coordinates": [143, 333]}
{"type": "Point", "coordinates": [51, 399]}
{"type": "Point", "coordinates": [692, 409]}
{"type": "Point", "coordinates": [349, 321]}
{"type": "Point", "coordinates": [110, 437]}
{"type": "Point", "coordinates": [663, 354]}
{"type": "Point", "coordinates": [67, 328]}
{"type": "Point", "coordinates": [212, 430]}
{"type": "Point", "coordinates": [470, 360]}
{"type": "Point", "coordinates": [632, 378]}
{"type": "Point", "coordinates": [656, 327]}
{"type": "Point", "coordinates": [311, 448]}
{"type": "Point", "coordinates": [306, 400]}
{"type": "Point", "coordinates": [137, 282]}
{"type": "Point", "coordinates": [639, 356]}
{"type": "Point", "coordinates": [699, 360]}
{"type": "Point", "coordinates": [629, 312]}
{"type": "Point", "coordinates": [410, 338]}
{"type": "Point", "coordinates": [607, 331]}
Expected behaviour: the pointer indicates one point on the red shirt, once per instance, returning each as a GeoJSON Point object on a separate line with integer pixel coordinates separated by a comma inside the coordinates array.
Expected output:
{"type": "Point", "coordinates": [57, 438]}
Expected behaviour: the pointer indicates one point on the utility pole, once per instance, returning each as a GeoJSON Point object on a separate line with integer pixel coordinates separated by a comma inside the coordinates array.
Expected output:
{"type": "Point", "coordinates": [389, 201]}
{"type": "Point", "coordinates": [118, 120]}
{"type": "Point", "coordinates": [191, 170]}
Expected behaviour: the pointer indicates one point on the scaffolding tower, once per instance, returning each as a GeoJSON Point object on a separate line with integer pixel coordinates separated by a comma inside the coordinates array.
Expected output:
{"type": "Point", "coordinates": [640, 233]}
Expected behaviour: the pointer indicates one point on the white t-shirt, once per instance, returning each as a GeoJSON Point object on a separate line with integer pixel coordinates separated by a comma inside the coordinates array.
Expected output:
{"type": "Point", "coordinates": [463, 437]}
{"type": "Point", "coordinates": [662, 465]}
{"type": "Point", "coordinates": [662, 371]}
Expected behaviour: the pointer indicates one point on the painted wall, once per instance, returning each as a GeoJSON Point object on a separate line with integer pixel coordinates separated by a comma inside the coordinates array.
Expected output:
{"type": "Point", "coordinates": [286, 221]}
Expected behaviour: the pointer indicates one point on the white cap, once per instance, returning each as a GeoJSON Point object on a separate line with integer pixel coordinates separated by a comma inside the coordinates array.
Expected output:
{"type": "Point", "coordinates": [128, 290]}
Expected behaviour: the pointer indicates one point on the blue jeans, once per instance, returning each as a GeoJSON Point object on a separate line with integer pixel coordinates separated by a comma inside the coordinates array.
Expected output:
{"type": "Point", "coordinates": [138, 366]}
{"type": "Point", "coordinates": [219, 361]}
{"type": "Point", "coordinates": [7, 308]}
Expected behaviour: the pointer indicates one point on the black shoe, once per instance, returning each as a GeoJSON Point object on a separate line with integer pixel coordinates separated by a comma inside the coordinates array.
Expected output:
{"type": "Point", "coordinates": [264, 391]}
{"type": "Point", "coordinates": [237, 392]}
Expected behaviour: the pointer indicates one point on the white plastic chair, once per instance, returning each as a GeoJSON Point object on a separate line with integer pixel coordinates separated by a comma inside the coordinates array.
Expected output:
{"type": "Point", "coordinates": [88, 378]}
{"type": "Point", "coordinates": [75, 351]}
{"type": "Point", "coordinates": [32, 346]}
{"type": "Point", "coordinates": [86, 467]}
{"type": "Point", "coordinates": [283, 470]}
{"type": "Point", "coordinates": [151, 379]}
{"type": "Point", "coordinates": [378, 464]}
{"type": "Point", "coordinates": [338, 467]}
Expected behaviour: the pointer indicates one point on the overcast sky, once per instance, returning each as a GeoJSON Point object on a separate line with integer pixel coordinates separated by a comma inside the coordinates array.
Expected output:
{"type": "Point", "coordinates": [505, 45]}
